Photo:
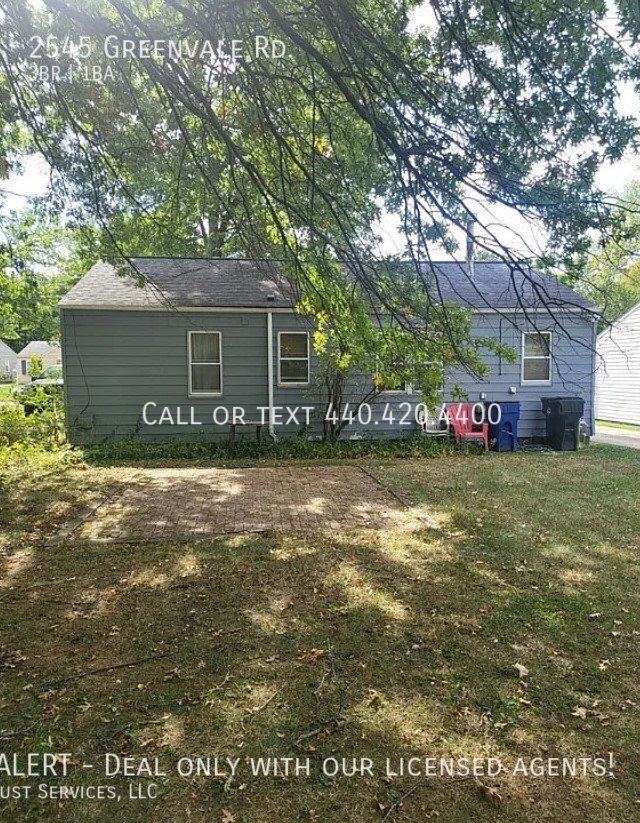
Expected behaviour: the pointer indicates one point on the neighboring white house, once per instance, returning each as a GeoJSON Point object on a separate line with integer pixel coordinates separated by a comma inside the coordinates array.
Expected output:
{"type": "Point", "coordinates": [49, 353]}
{"type": "Point", "coordinates": [618, 370]}
{"type": "Point", "coordinates": [8, 360]}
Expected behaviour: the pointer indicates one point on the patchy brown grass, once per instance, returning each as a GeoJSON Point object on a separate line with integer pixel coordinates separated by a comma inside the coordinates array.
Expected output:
{"type": "Point", "coordinates": [363, 644]}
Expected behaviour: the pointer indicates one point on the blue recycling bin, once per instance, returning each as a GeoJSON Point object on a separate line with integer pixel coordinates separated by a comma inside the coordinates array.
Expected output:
{"type": "Point", "coordinates": [503, 436]}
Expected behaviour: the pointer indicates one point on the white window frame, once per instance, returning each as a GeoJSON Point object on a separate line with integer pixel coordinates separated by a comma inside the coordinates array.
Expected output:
{"type": "Point", "coordinates": [408, 389]}
{"type": "Point", "coordinates": [288, 384]}
{"type": "Point", "coordinates": [190, 364]}
{"type": "Point", "coordinates": [408, 386]}
{"type": "Point", "coordinates": [547, 357]}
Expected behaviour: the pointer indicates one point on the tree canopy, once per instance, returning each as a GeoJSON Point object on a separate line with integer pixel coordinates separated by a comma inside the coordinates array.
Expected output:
{"type": "Point", "coordinates": [612, 277]}
{"type": "Point", "coordinates": [39, 261]}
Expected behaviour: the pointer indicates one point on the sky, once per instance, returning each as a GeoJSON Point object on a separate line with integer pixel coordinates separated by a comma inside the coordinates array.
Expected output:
{"type": "Point", "coordinates": [511, 229]}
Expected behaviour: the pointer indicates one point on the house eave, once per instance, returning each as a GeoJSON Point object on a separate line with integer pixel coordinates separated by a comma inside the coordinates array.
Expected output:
{"type": "Point", "coordinates": [285, 310]}
{"type": "Point", "coordinates": [532, 310]}
{"type": "Point", "coordinates": [180, 309]}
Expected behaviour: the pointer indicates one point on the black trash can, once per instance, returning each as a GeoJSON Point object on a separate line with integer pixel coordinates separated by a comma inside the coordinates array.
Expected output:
{"type": "Point", "coordinates": [563, 421]}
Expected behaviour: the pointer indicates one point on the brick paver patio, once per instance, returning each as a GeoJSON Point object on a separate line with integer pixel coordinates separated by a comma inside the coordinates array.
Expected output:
{"type": "Point", "coordinates": [163, 504]}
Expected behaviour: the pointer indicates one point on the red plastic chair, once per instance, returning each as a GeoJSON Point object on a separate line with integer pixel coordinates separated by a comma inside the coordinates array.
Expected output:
{"type": "Point", "coordinates": [463, 426]}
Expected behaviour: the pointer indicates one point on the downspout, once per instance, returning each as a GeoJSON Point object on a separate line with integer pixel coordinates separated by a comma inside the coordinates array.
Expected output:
{"type": "Point", "coordinates": [270, 372]}
{"type": "Point", "coordinates": [592, 416]}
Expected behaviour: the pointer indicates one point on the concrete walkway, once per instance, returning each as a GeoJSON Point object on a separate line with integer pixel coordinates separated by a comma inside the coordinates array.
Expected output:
{"type": "Point", "coordinates": [617, 437]}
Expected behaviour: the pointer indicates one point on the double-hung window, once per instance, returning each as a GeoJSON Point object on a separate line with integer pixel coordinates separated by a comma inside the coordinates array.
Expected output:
{"type": "Point", "coordinates": [293, 358]}
{"type": "Point", "coordinates": [536, 357]}
{"type": "Point", "coordinates": [205, 363]}
{"type": "Point", "coordinates": [395, 385]}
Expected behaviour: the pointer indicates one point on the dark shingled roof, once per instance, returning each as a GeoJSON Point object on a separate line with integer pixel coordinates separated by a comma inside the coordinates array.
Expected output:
{"type": "Point", "coordinates": [499, 286]}
{"type": "Point", "coordinates": [184, 282]}
{"type": "Point", "coordinates": [236, 283]}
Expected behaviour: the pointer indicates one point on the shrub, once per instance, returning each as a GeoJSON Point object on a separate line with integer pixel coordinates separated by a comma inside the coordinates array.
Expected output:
{"type": "Point", "coordinates": [35, 366]}
{"type": "Point", "coordinates": [5, 377]}
{"type": "Point", "coordinates": [20, 461]}
{"type": "Point", "coordinates": [37, 418]}
{"type": "Point", "coordinates": [14, 424]}
{"type": "Point", "coordinates": [297, 448]}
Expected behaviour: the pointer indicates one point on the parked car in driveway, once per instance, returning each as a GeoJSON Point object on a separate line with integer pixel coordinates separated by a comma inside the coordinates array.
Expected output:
{"type": "Point", "coordinates": [51, 376]}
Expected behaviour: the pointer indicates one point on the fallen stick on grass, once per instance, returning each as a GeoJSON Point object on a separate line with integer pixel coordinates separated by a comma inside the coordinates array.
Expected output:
{"type": "Point", "coordinates": [103, 669]}
{"type": "Point", "coordinates": [330, 725]}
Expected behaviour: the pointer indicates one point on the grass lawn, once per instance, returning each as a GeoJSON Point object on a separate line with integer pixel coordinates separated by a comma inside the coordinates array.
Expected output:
{"type": "Point", "coordinates": [608, 424]}
{"type": "Point", "coordinates": [5, 390]}
{"type": "Point", "coordinates": [363, 644]}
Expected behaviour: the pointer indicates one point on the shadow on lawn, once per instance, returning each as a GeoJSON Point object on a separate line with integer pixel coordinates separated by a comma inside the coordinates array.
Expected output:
{"type": "Point", "coordinates": [363, 644]}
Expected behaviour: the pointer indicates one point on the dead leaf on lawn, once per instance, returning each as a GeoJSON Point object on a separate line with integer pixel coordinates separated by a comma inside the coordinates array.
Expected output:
{"type": "Point", "coordinates": [311, 655]}
{"type": "Point", "coordinates": [490, 792]}
{"type": "Point", "coordinates": [523, 671]}
{"type": "Point", "coordinates": [579, 711]}
{"type": "Point", "coordinates": [173, 674]}
{"type": "Point", "coordinates": [9, 660]}
{"type": "Point", "coordinates": [227, 817]}
{"type": "Point", "coordinates": [603, 665]}
{"type": "Point", "coordinates": [283, 603]}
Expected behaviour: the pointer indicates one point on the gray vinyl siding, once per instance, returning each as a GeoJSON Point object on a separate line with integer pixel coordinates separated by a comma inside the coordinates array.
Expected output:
{"type": "Point", "coordinates": [116, 361]}
{"type": "Point", "coordinates": [572, 367]}
{"type": "Point", "coordinates": [356, 389]}
{"type": "Point", "coordinates": [8, 360]}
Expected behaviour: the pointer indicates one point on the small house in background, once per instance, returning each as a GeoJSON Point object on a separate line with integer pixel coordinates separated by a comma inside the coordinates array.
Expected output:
{"type": "Point", "coordinates": [48, 352]}
{"type": "Point", "coordinates": [618, 375]}
{"type": "Point", "coordinates": [8, 362]}
{"type": "Point", "coordinates": [210, 333]}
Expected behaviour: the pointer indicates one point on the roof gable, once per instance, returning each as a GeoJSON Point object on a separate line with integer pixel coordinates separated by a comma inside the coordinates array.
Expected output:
{"type": "Point", "coordinates": [630, 319]}
{"type": "Point", "coordinates": [6, 351]}
{"type": "Point", "coordinates": [38, 347]}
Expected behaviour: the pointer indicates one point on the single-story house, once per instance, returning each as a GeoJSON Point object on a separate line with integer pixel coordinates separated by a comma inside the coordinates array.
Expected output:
{"type": "Point", "coordinates": [8, 360]}
{"type": "Point", "coordinates": [49, 352]}
{"type": "Point", "coordinates": [618, 370]}
{"type": "Point", "coordinates": [204, 336]}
